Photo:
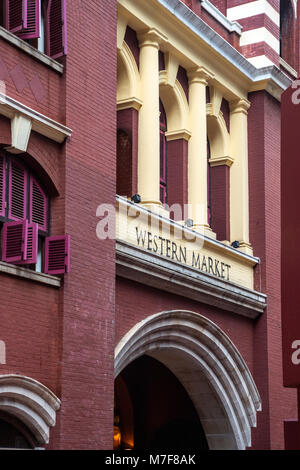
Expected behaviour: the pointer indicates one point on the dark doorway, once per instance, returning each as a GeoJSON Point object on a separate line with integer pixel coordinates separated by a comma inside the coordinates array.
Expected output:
{"type": "Point", "coordinates": [13, 434]}
{"type": "Point", "coordinates": [157, 410]}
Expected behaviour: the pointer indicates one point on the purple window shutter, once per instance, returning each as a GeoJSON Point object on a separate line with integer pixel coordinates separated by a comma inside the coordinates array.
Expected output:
{"type": "Point", "coordinates": [57, 28]}
{"type": "Point", "coordinates": [57, 255]}
{"type": "Point", "coordinates": [31, 245]}
{"type": "Point", "coordinates": [14, 241]}
{"type": "Point", "coordinates": [2, 185]}
{"type": "Point", "coordinates": [38, 205]}
{"type": "Point", "coordinates": [17, 191]}
{"type": "Point", "coordinates": [15, 15]}
{"type": "Point", "coordinates": [33, 21]}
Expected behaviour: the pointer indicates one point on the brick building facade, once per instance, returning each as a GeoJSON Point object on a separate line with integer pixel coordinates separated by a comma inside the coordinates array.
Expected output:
{"type": "Point", "coordinates": [166, 333]}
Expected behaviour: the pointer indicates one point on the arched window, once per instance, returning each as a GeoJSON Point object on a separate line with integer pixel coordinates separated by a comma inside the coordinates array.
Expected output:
{"type": "Point", "coordinates": [287, 32]}
{"type": "Point", "coordinates": [163, 154]}
{"type": "Point", "coordinates": [25, 220]}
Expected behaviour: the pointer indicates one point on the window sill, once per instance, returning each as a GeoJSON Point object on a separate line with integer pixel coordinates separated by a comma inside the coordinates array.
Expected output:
{"type": "Point", "coordinates": [24, 273]}
{"type": "Point", "coordinates": [28, 49]}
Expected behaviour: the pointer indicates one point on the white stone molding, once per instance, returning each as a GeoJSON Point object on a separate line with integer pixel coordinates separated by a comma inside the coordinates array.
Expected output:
{"type": "Point", "coordinates": [10, 108]}
{"type": "Point", "coordinates": [208, 365]}
{"type": "Point", "coordinates": [31, 402]}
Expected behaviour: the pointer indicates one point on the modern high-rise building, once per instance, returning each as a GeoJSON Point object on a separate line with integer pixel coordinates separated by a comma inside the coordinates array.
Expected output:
{"type": "Point", "coordinates": [140, 223]}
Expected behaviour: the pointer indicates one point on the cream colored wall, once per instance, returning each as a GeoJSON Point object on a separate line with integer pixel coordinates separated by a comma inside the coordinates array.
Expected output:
{"type": "Point", "coordinates": [193, 121]}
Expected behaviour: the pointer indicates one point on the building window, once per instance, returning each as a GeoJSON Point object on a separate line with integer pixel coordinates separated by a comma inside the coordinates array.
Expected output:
{"type": "Point", "coordinates": [163, 154]}
{"type": "Point", "coordinates": [42, 23]}
{"type": "Point", "coordinates": [209, 208]}
{"type": "Point", "coordinates": [287, 32]}
{"type": "Point", "coordinates": [25, 220]}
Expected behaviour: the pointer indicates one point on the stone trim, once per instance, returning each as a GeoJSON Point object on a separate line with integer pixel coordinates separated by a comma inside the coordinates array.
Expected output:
{"type": "Point", "coordinates": [30, 50]}
{"type": "Point", "coordinates": [151, 269]}
{"type": "Point", "coordinates": [30, 401]}
{"type": "Point", "coordinates": [30, 275]}
{"type": "Point", "coordinates": [208, 365]}
{"type": "Point", "coordinates": [231, 26]}
{"type": "Point", "coordinates": [42, 124]}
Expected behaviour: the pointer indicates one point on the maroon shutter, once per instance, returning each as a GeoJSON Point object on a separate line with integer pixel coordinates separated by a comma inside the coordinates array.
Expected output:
{"type": "Point", "coordinates": [17, 191]}
{"type": "Point", "coordinates": [57, 255]}
{"type": "Point", "coordinates": [31, 245]}
{"type": "Point", "coordinates": [38, 205]}
{"type": "Point", "coordinates": [14, 241]}
{"type": "Point", "coordinates": [15, 15]}
{"type": "Point", "coordinates": [2, 185]}
{"type": "Point", "coordinates": [56, 28]}
{"type": "Point", "coordinates": [32, 29]}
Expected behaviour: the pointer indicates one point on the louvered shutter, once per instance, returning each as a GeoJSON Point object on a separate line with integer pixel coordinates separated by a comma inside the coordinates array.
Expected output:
{"type": "Point", "coordinates": [15, 15]}
{"type": "Point", "coordinates": [38, 205]}
{"type": "Point", "coordinates": [31, 245]}
{"type": "Point", "coordinates": [57, 255]}
{"type": "Point", "coordinates": [17, 191]}
{"type": "Point", "coordinates": [56, 28]}
{"type": "Point", "coordinates": [2, 185]}
{"type": "Point", "coordinates": [32, 30]}
{"type": "Point", "coordinates": [14, 241]}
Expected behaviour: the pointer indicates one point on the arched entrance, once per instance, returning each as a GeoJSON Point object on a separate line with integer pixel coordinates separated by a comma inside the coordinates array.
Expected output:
{"type": "Point", "coordinates": [214, 377]}
{"type": "Point", "coordinates": [163, 415]}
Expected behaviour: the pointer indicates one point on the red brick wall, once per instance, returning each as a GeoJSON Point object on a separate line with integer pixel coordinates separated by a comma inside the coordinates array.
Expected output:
{"type": "Point", "coordinates": [135, 301]}
{"type": "Point", "coordinates": [264, 181]}
{"type": "Point", "coordinates": [87, 301]}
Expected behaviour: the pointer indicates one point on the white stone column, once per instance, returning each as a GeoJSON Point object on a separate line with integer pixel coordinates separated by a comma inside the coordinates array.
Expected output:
{"type": "Point", "coordinates": [239, 184]}
{"type": "Point", "coordinates": [148, 138]}
{"type": "Point", "coordinates": [197, 171]}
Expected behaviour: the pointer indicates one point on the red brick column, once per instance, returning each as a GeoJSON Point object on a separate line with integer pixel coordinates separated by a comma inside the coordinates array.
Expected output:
{"type": "Point", "coordinates": [85, 420]}
{"type": "Point", "coordinates": [278, 403]}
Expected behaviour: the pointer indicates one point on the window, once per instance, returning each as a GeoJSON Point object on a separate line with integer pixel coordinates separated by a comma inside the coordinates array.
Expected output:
{"type": "Point", "coordinates": [163, 154]}
{"type": "Point", "coordinates": [25, 220]}
{"type": "Point", "coordinates": [287, 32]}
{"type": "Point", "coordinates": [209, 208]}
{"type": "Point", "coordinates": [40, 22]}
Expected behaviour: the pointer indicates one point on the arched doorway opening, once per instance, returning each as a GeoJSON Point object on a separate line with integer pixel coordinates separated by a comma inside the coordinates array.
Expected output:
{"type": "Point", "coordinates": [13, 433]}
{"type": "Point", "coordinates": [207, 365]}
{"type": "Point", "coordinates": [153, 409]}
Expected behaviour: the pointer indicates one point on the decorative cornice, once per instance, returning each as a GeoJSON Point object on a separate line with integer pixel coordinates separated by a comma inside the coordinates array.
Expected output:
{"type": "Point", "coordinates": [42, 124]}
{"type": "Point", "coordinates": [221, 161]}
{"type": "Point", "coordinates": [199, 75]}
{"type": "Point", "coordinates": [30, 50]}
{"type": "Point", "coordinates": [231, 26]}
{"type": "Point", "coordinates": [239, 106]}
{"type": "Point", "coordinates": [268, 78]}
{"type": "Point", "coordinates": [180, 134]}
{"type": "Point", "coordinates": [151, 37]}
{"type": "Point", "coordinates": [129, 103]}
{"type": "Point", "coordinates": [148, 268]}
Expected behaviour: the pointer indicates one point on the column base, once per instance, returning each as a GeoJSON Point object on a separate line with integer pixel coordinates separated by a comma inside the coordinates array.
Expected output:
{"type": "Point", "coordinates": [156, 207]}
{"type": "Point", "coordinates": [204, 229]}
{"type": "Point", "coordinates": [246, 248]}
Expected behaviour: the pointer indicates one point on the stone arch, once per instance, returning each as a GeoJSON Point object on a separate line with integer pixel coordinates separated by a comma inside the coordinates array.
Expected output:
{"type": "Point", "coordinates": [31, 402]}
{"type": "Point", "coordinates": [128, 87]}
{"type": "Point", "coordinates": [175, 104]}
{"type": "Point", "coordinates": [208, 365]}
{"type": "Point", "coordinates": [217, 133]}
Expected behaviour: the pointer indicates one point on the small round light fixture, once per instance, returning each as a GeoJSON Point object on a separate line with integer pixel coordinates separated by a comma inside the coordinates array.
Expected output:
{"type": "Point", "coordinates": [136, 198]}
{"type": "Point", "coordinates": [189, 223]}
{"type": "Point", "coordinates": [235, 244]}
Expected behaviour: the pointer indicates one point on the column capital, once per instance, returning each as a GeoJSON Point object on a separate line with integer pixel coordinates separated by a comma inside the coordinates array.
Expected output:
{"type": "Point", "coordinates": [239, 106]}
{"type": "Point", "coordinates": [151, 37]}
{"type": "Point", "coordinates": [199, 75]}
